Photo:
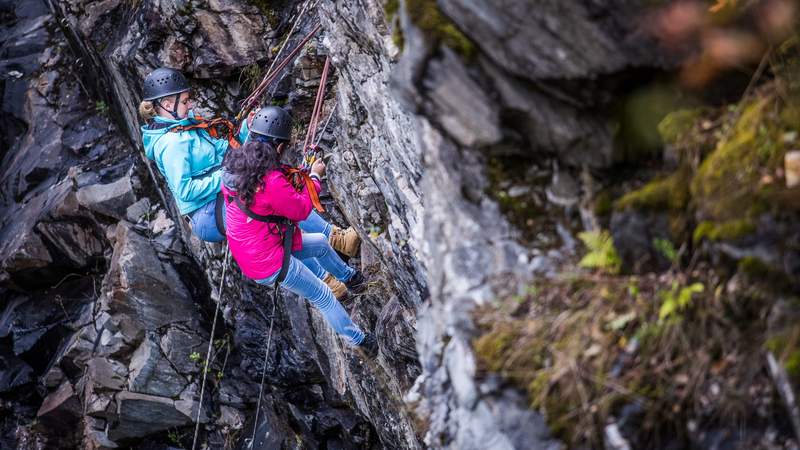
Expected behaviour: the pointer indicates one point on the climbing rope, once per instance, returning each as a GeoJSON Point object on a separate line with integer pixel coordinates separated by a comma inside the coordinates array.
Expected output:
{"type": "Point", "coordinates": [210, 346]}
{"type": "Point", "coordinates": [300, 176]}
{"type": "Point", "coordinates": [252, 100]}
{"type": "Point", "coordinates": [315, 114]}
{"type": "Point", "coordinates": [275, 298]}
{"type": "Point", "coordinates": [289, 35]}
{"type": "Point", "coordinates": [325, 127]}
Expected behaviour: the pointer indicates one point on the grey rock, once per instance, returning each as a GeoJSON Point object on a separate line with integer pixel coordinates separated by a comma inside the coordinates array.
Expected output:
{"type": "Point", "coordinates": [110, 199]}
{"type": "Point", "coordinates": [189, 404]}
{"type": "Point", "coordinates": [149, 293]}
{"type": "Point", "coordinates": [161, 224]}
{"type": "Point", "coordinates": [231, 418]}
{"type": "Point", "coordinates": [634, 232]}
{"type": "Point", "coordinates": [99, 404]}
{"type": "Point", "coordinates": [143, 414]}
{"type": "Point", "coordinates": [178, 345]}
{"type": "Point", "coordinates": [564, 190]}
{"type": "Point", "coordinates": [53, 378]}
{"type": "Point", "coordinates": [152, 373]}
{"type": "Point", "coordinates": [137, 210]}
{"type": "Point", "coordinates": [472, 120]}
{"type": "Point", "coordinates": [81, 245]}
{"type": "Point", "coordinates": [61, 409]}
{"type": "Point", "coordinates": [106, 373]}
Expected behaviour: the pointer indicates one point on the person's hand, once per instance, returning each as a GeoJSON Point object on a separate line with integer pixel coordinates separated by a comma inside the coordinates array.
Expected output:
{"type": "Point", "coordinates": [318, 167]}
{"type": "Point", "coordinates": [250, 119]}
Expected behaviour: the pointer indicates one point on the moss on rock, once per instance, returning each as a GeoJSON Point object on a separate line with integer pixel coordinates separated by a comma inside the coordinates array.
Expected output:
{"type": "Point", "coordinates": [583, 351]}
{"type": "Point", "coordinates": [727, 184]}
{"type": "Point", "coordinates": [677, 125]}
{"type": "Point", "coordinates": [667, 193]}
{"type": "Point", "coordinates": [426, 15]}
{"type": "Point", "coordinates": [725, 231]}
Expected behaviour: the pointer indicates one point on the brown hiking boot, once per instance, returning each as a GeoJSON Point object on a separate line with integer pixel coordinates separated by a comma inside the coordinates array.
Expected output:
{"type": "Point", "coordinates": [339, 289]}
{"type": "Point", "coordinates": [346, 241]}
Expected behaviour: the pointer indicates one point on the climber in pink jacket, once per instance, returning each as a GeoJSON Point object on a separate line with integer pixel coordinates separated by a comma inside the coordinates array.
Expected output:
{"type": "Point", "coordinates": [254, 184]}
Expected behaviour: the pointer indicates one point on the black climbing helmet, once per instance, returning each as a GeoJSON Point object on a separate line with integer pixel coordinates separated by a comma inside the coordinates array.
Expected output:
{"type": "Point", "coordinates": [272, 121]}
{"type": "Point", "coordinates": [163, 82]}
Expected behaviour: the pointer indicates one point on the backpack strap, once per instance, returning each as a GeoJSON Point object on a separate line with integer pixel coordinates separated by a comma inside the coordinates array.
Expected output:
{"type": "Point", "coordinates": [218, 211]}
{"type": "Point", "coordinates": [287, 232]}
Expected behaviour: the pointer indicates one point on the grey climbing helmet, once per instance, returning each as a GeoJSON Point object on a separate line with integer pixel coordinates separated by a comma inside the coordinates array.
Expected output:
{"type": "Point", "coordinates": [163, 82]}
{"type": "Point", "coordinates": [272, 121]}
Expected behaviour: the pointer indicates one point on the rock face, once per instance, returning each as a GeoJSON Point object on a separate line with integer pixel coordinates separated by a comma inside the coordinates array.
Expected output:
{"type": "Point", "coordinates": [118, 352]}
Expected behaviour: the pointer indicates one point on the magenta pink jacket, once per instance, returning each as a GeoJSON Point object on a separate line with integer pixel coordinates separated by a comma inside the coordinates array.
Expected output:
{"type": "Point", "coordinates": [259, 252]}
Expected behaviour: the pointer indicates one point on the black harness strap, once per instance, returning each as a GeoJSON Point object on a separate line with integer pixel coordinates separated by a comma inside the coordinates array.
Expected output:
{"type": "Point", "coordinates": [218, 208]}
{"type": "Point", "coordinates": [287, 233]}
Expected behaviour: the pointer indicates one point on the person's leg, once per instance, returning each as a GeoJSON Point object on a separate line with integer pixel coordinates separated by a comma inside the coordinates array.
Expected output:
{"type": "Point", "coordinates": [315, 267]}
{"type": "Point", "coordinates": [302, 282]}
{"type": "Point", "coordinates": [204, 223]}
{"type": "Point", "coordinates": [345, 241]}
{"type": "Point", "coordinates": [314, 223]}
{"type": "Point", "coordinates": [316, 245]}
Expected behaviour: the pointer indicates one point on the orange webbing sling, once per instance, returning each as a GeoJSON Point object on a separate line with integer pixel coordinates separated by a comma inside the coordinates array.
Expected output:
{"type": "Point", "coordinates": [300, 177]}
{"type": "Point", "coordinates": [217, 128]}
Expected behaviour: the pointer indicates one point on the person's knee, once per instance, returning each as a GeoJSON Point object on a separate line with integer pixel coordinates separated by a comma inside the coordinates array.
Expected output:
{"type": "Point", "coordinates": [318, 242]}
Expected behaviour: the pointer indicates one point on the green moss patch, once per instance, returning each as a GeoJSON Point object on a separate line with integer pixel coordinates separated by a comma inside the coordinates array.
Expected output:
{"type": "Point", "coordinates": [724, 231]}
{"type": "Point", "coordinates": [677, 126]}
{"type": "Point", "coordinates": [668, 193]}
{"type": "Point", "coordinates": [427, 16]}
{"type": "Point", "coordinates": [728, 185]}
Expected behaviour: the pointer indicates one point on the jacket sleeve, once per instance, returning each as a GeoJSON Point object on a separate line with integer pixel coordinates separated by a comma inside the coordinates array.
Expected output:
{"type": "Point", "coordinates": [177, 171]}
{"type": "Point", "coordinates": [286, 201]}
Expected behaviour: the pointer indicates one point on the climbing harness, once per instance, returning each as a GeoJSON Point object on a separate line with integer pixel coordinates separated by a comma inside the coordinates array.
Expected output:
{"type": "Point", "coordinates": [217, 128]}
{"type": "Point", "coordinates": [218, 212]}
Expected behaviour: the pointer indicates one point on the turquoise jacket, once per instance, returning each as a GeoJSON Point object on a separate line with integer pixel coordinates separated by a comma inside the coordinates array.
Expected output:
{"type": "Point", "coordinates": [189, 160]}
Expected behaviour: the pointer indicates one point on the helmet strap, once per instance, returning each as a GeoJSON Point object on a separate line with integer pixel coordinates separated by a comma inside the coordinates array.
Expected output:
{"type": "Point", "coordinates": [174, 112]}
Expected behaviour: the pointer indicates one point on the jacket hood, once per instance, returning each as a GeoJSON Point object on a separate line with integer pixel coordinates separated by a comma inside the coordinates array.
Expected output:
{"type": "Point", "coordinates": [151, 136]}
{"type": "Point", "coordinates": [229, 180]}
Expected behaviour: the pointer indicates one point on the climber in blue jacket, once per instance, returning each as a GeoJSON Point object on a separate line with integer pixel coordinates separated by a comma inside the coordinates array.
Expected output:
{"type": "Point", "coordinates": [188, 156]}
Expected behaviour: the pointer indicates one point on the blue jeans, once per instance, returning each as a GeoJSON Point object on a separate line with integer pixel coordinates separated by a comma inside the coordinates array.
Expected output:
{"type": "Point", "coordinates": [204, 222]}
{"type": "Point", "coordinates": [303, 282]}
{"type": "Point", "coordinates": [314, 223]}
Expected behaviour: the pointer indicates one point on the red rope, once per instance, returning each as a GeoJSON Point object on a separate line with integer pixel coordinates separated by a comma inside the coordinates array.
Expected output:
{"type": "Point", "coordinates": [252, 100]}
{"type": "Point", "coordinates": [317, 111]}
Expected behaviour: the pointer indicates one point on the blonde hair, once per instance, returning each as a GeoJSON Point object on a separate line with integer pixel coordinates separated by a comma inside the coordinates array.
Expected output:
{"type": "Point", "coordinates": [147, 110]}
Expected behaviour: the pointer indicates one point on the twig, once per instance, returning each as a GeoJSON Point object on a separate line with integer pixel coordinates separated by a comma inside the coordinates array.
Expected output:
{"type": "Point", "coordinates": [785, 390]}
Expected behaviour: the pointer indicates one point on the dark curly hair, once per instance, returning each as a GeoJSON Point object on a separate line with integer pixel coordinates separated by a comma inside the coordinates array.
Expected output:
{"type": "Point", "coordinates": [248, 164]}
